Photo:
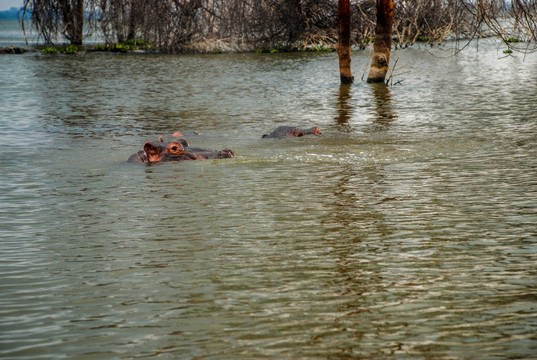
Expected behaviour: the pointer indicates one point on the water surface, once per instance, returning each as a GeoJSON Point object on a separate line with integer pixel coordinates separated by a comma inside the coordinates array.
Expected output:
{"type": "Point", "coordinates": [406, 230]}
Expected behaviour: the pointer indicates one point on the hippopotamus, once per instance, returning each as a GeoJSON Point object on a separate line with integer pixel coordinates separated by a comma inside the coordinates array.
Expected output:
{"type": "Point", "coordinates": [291, 131]}
{"type": "Point", "coordinates": [201, 153]}
{"type": "Point", "coordinates": [176, 150]}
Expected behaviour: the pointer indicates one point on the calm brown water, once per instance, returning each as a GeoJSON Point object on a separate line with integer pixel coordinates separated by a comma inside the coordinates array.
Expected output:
{"type": "Point", "coordinates": [407, 230]}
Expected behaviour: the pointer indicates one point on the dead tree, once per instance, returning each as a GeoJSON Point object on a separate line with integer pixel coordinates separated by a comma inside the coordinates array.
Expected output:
{"type": "Point", "coordinates": [383, 42]}
{"type": "Point", "coordinates": [72, 12]}
{"type": "Point", "coordinates": [344, 42]}
{"type": "Point", "coordinates": [59, 17]}
{"type": "Point", "coordinates": [514, 21]}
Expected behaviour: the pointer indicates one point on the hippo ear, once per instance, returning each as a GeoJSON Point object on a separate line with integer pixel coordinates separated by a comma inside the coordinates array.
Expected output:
{"type": "Point", "coordinates": [151, 149]}
{"type": "Point", "coordinates": [296, 133]}
{"type": "Point", "coordinates": [183, 142]}
{"type": "Point", "coordinates": [264, 136]}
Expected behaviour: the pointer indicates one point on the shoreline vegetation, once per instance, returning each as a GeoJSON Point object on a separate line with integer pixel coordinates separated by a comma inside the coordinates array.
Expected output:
{"type": "Point", "coordinates": [220, 46]}
{"type": "Point", "coordinates": [268, 26]}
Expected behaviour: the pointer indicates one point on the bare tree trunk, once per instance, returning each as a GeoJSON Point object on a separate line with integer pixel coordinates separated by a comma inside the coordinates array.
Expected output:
{"type": "Point", "coordinates": [78, 22]}
{"type": "Point", "coordinates": [133, 16]}
{"type": "Point", "coordinates": [344, 42]}
{"type": "Point", "coordinates": [383, 42]}
{"type": "Point", "coordinates": [73, 20]}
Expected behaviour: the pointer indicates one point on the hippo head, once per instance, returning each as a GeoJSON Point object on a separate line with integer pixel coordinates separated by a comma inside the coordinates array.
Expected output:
{"type": "Point", "coordinates": [314, 131]}
{"type": "Point", "coordinates": [226, 154]}
{"type": "Point", "coordinates": [301, 132]}
{"type": "Point", "coordinates": [159, 152]}
{"type": "Point", "coordinates": [291, 131]}
{"type": "Point", "coordinates": [176, 150]}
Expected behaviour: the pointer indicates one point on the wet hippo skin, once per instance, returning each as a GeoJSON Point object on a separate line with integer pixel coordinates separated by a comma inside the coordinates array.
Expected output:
{"type": "Point", "coordinates": [282, 132]}
{"type": "Point", "coordinates": [176, 150]}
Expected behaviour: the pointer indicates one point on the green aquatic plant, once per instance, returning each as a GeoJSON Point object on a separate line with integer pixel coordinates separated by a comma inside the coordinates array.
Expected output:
{"type": "Point", "coordinates": [124, 46]}
{"type": "Point", "coordinates": [508, 51]}
{"type": "Point", "coordinates": [102, 47]}
{"type": "Point", "coordinates": [142, 43]}
{"type": "Point", "coordinates": [266, 51]}
{"type": "Point", "coordinates": [49, 50]}
{"type": "Point", "coordinates": [69, 50]}
{"type": "Point", "coordinates": [422, 38]}
{"type": "Point", "coordinates": [513, 40]}
{"type": "Point", "coordinates": [319, 48]}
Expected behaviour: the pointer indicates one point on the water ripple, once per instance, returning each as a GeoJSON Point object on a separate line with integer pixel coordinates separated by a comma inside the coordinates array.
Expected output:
{"type": "Point", "coordinates": [407, 229]}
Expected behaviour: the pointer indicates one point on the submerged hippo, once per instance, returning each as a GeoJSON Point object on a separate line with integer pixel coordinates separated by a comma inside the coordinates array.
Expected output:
{"type": "Point", "coordinates": [201, 153]}
{"type": "Point", "coordinates": [291, 131]}
{"type": "Point", "coordinates": [176, 150]}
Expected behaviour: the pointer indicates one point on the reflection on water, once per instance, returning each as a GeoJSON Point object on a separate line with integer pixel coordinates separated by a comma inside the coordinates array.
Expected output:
{"type": "Point", "coordinates": [406, 229]}
{"type": "Point", "coordinates": [381, 98]}
{"type": "Point", "coordinates": [383, 104]}
{"type": "Point", "coordinates": [345, 109]}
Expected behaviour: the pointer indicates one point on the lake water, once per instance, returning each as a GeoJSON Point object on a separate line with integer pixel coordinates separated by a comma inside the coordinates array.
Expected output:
{"type": "Point", "coordinates": [407, 230]}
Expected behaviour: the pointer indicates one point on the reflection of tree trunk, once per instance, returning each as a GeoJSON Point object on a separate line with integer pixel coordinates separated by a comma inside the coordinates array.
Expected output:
{"type": "Point", "coordinates": [344, 109]}
{"type": "Point", "coordinates": [344, 42]}
{"type": "Point", "coordinates": [383, 42]}
{"type": "Point", "coordinates": [383, 105]}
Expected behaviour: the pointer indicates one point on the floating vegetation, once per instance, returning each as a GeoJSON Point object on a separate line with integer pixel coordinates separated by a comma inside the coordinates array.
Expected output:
{"type": "Point", "coordinates": [319, 48]}
{"type": "Point", "coordinates": [71, 49]}
{"type": "Point", "coordinates": [124, 46]}
{"type": "Point", "coordinates": [266, 51]}
{"type": "Point", "coordinates": [298, 47]}
{"type": "Point", "coordinates": [49, 50]}
{"type": "Point", "coordinates": [67, 50]}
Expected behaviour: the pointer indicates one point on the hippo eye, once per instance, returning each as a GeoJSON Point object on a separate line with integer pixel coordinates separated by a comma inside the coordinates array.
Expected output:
{"type": "Point", "coordinates": [175, 148]}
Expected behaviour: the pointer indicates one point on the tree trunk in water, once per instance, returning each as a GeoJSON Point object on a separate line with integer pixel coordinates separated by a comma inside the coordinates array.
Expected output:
{"type": "Point", "coordinates": [79, 22]}
{"type": "Point", "coordinates": [73, 20]}
{"type": "Point", "coordinates": [131, 34]}
{"type": "Point", "coordinates": [344, 42]}
{"type": "Point", "coordinates": [383, 42]}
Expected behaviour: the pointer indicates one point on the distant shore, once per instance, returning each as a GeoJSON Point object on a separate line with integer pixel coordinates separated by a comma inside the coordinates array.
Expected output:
{"type": "Point", "coordinates": [13, 13]}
